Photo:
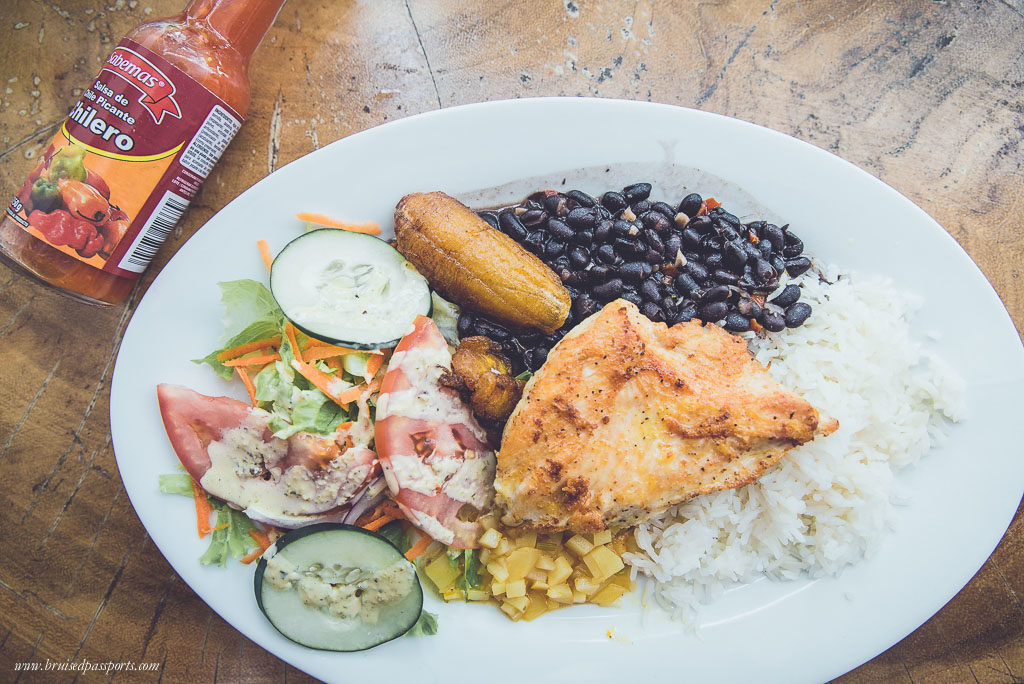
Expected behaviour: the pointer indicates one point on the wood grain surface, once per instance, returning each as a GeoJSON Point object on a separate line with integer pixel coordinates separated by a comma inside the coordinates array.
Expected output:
{"type": "Point", "coordinates": [926, 95]}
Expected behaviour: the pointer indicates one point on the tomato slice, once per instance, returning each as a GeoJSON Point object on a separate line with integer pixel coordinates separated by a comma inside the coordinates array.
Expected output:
{"type": "Point", "coordinates": [435, 456]}
{"type": "Point", "coordinates": [226, 446]}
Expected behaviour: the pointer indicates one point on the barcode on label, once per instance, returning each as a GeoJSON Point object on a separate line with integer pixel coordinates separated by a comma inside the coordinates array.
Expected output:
{"type": "Point", "coordinates": [153, 234]}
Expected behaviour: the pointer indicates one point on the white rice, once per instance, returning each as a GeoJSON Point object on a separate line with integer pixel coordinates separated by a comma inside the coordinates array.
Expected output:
{"type": "Point", "coordinates": [826, 504]}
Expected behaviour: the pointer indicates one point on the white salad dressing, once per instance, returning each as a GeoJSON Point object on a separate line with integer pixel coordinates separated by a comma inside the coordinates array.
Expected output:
{"type": "Point", "coordinates": [241, 460]}
{"type": "Point", "coordinates": [342, 591]}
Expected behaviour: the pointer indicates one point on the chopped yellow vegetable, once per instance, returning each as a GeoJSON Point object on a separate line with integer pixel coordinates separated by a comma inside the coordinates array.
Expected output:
{"type": "Point", "coordinates": [490, 538]}
{"type": "Point", "coordinates": [561, 593]}
{"type": "Point", "coordinates": [609, 595]}
{"type": "Point", "coordinates": [602, 562]}
{"type": "Point", "coordinates": [498, 569]}
{"type": "Point", "coordinates": [520, 602]}
{"type": "Point", "coordinates": [477, 595]}
{"type": "Point", "coordinates": [521, 561]}
{"type": "Point", "coordinates": [602, 537]}
{"type": "Point", "coordinates": [579, 545]}
{"type": "Point", "coordinates": [441, 573]}
{"type": "Point", "coordinates": [515, 588]}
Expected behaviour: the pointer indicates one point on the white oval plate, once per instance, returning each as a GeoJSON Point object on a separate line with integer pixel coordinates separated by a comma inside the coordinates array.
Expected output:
{"type": "Point", "coordinates": [965, 493]}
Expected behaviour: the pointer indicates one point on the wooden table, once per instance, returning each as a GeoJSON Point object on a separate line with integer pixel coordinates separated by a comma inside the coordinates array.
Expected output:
{"type": "Point", "coordinates": [926, 95]}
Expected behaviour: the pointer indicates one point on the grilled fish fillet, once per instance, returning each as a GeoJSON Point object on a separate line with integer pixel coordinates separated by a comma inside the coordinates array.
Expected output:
{"type": "Point", "coordinates": [628, 417]}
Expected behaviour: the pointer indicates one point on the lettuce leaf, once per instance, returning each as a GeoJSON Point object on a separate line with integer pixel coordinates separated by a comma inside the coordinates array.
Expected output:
{"type": "Point", "coordinates": [426, 625]}
{"type": "Point", "coordinates": [250, 314]}
{"type": "Point", "coordinates": [230, 536]}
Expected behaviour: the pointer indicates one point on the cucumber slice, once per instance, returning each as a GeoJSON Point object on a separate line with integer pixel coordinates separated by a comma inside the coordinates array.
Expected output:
{"type": "Point", "coordinates": [348, 288]}
{"type": "Point", "coordinates": [329, 554]}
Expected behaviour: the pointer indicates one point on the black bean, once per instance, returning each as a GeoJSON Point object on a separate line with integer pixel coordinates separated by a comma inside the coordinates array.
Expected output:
{"type": "Point", "coordinates": [490, 217]}
{"type": "Point", "coordinates": [554, 248]}
{"type": "Point", "coordinates": [686, 285]}
{"type": "Point", "coordinates": [765, 246]}
{"type": "Point", "coordinates": [701, 224]}
{"type": "Point", "coordinates": [695, 269]}
{"type": "Point", "coordinates": [582, 217]}
{"type": "Point", "coordinates": [584, 306]}
{"type": "Point", "coordinates": [690, 204]}
{"type": "Point", "coordinates": [579, 258]}
{"type": "Point", "coordinates": [495, 331]}
{"type": "Point", "coordinates": [632, 271]}
{"type": "Point", "coordinates": [772, 321]}
{"type": "Point", "coordinates": [774, 233]}
{"type": "Point", "coordinates": [763, 271]}
{"type": "Point", "coordinates": [789, 295]}
{"type": "Point", "coordinates": [794, 246]}
{"type": "Point", "coordinates": [569, 277]}
{"type": "Point", "coordinates": [652, 311]}
{"type": "Point", "coordinates": [684, 314]}
{"type": "Point", "coordinates": [636, 192]}
{"type": "Point", "coordinates": [748, 307]}
{"type": "Point", "coordinates": [691, 237]}
{"type": "Point", "coordinates": [510, 224]}
{"type": "Point", "coordinates": [734, 254]}
{"type": "Point", "coordinates": [657, 221]}
{"type": "Point", "coordinates": [730, 219]}
{"type": "Point", "coordinates": [622, 228]}
{"type": "Point", "coordinates": [535, 241]}
{"type": "Point", "coordinates": [609, 290]}
{"type": "Point", "coordinates": [651, 290]}
{"type": "Point", "coordinates": [746, 282]}
{"type": "Point", "coordinates": [555, 204]}
{"type": "Point", "coordinates": [598, 274]}
{"type": "Point", "coordinates": [778, 263]}
{"type": "Point", "coordinates": [581, 198]}
{"type": "Point", "coordinates": [718, 293]}
{"type": "Point", "coordinates": [673, 244]}
{"type": "Point", "coordinates": [528, 360]}
{"type": "Point", "coordinates": [797, 314]}
{"type": "Point", "coordinates": [714, 311]}
{"type": "Point", "coordinates": [712, 243]}
{"type": "Point", "coordinates": [614, 201]}
{"type": "Point", "coordinates": [559, 228]}
{"type": "Point", "coordinates": [603, 230]}
{"type": "Point", "coordinates": [665, 209]}
{"type": "Point", "coordinates": [668, 303]}
{"type": "Point", "coordinates": [653, 240]}
{"type": "Point", "coordinates": [640, 207]}
{"type": "Point", "coordinates": [561, 262]}
{"type": "Point", "coordinates": [752, 251]}
{"type": "Point", "coordinates": [797, 266]}
{"type": "Point", "coordinates": [534, 217]}
{"type": "Point", "coordinates": [584, 237]}
{"type": "Point", "coordinates": [736, 322]}
{"type": "Point", "coordinates": [629, 248]}
{"type": "Point", "coordinates": [465, 323]}
{"type": "Point", "coordinates": [728, 233]}
{"type": "Point", "coordinates": [713, 261]}
{"type": "Point", "coordinates": [605, 254]}
{"type": "Point", "coordinates": [725, 277]}
{"type": "Point", "coordinates": [631, 295]}
{"type": "Point", "coordinates": [756, 227]}
{"type": "Point", "coordinates": [540, 355]}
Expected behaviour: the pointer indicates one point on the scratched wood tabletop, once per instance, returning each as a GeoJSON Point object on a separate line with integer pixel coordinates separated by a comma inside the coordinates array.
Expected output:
{"type": "Point", "coordinates": [926, 95]}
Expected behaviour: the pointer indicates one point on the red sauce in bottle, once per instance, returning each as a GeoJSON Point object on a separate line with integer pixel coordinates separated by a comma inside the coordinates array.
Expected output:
{"type": "Point", "coordinates": [135, 150]}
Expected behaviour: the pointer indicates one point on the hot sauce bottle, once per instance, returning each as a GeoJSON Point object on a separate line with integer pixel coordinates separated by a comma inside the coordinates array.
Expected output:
{"type": "Point", "coordinates": [134, 150]}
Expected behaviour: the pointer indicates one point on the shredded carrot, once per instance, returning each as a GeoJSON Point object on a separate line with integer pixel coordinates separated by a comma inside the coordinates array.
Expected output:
{"type": "Point", "coordinates": [289, 330]}
{"type": "Point", "coordinates": [247, 381]}
{"type": "Point", "coordinates": [203, 509]}
{"type": "Point", "coordinates": [317, 352]}
{"type": "Point", "coordinates": [345, 426]}
{"type": "Point", "coordinates": [369, 227]}
{"type": "Point", "coordinates": [219, 527]}
{"type": "Point", "coordinates": [373, 365]}
{"type": "Point", "coordinates": [323, 382]}
{"type": "Point", "coordinates": [354, 393]}
{"type": "Point", "coordinates": [268, 258]}
{"type": "Point", "coordinates": [260, 538]}
{"type": "Point", "coordinates": [248, 347]}
{"type": "Point", "coordinates": [419, 547]}
{"type": "Point", "coordinates": [712, 203]}
{"type": "Point", "coordinates": [261, 360]}
{"type": "Point", "coordinates": [377, 523]}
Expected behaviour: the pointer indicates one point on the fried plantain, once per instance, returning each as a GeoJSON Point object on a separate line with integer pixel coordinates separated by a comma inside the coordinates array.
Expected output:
{"type": "Point", "coordinates": [481, 374]}
{"type": "Point", "coordinates": [476, 265]}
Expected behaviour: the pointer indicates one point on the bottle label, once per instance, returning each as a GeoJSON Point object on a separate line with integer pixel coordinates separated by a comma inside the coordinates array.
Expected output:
{"type": "Point", "coordinates": [126, 162]}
